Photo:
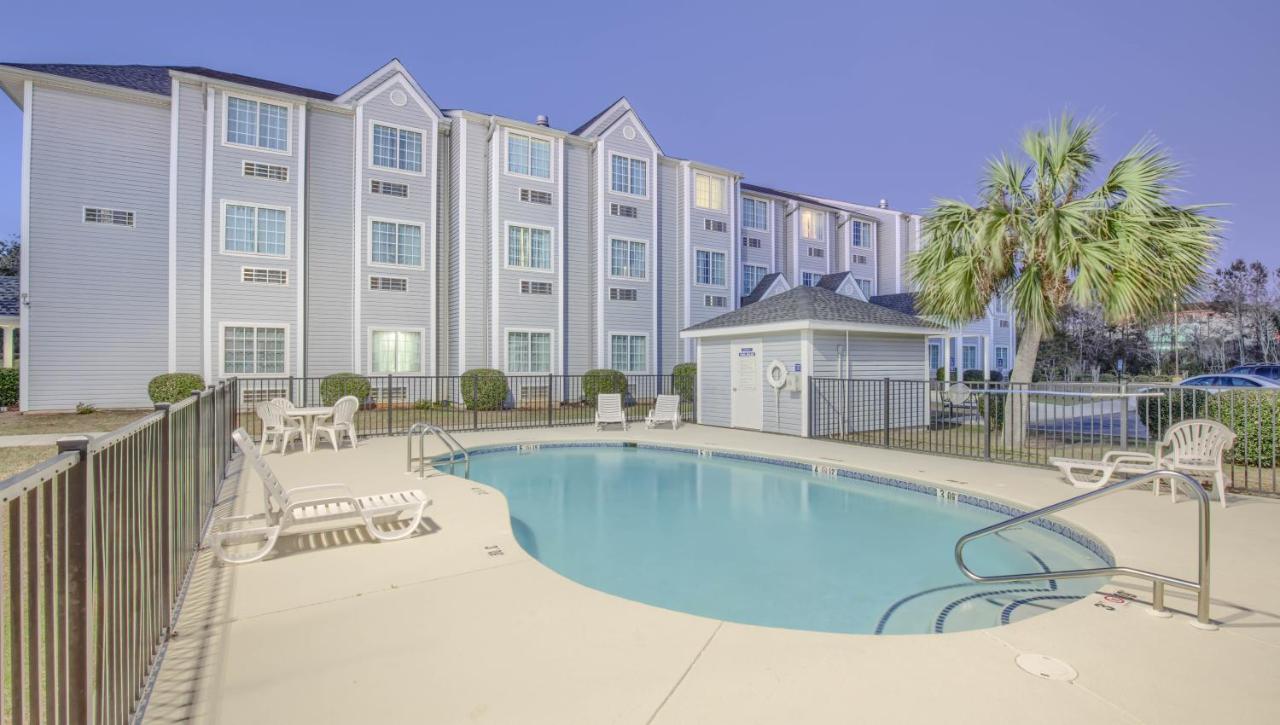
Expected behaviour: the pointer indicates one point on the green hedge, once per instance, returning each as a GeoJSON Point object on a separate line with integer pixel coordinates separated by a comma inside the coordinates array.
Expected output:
{"type": "Point", "coordinates": [484, 389]}
{"type": "Point", "coordinates": [684, 380]}
{"type": "Point", "coordinates": [173, 387]}
{"type": "Point", "coordinates": [9, 386]}
{"type": "Point", "coordinates": [595, 382]}
{"type": "Point", "coordinates": [1254, 416]}
{"type": "Point", "coordinates": [340, 385]}
{"type": "Point", "coordinates": [1175, 404]}
{"type": "Point", "coordinates": [975, 376]}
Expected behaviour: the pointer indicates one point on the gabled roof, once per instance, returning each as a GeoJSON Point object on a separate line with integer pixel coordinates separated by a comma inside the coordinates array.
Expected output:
{"type": "Point", "coordinates": [582, 129]}
{"type": "Point", "coordinates": [9, 288]}
{"type": "Point", "coordinates": [904, 302]}
{"type": "Point", "coordinates": [596, 126]}
{"type": "Point", "coordinates": [836, 281]}
{"type": "Point", "coordinates": [383, 75]}
{"type": "Point", "coordinates": [763, 286]}
{"type": "Point", "coordinates": [813, 304]}
{"type": "Point", "coordinates": [155, 78]}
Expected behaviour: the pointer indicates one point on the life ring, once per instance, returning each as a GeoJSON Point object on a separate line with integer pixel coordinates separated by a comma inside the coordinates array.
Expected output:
{"type": "Point", "coordinates": [776, 374]}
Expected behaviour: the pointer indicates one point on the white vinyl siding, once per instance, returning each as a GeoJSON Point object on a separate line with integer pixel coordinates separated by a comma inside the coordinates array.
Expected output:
{"type": "Point", "coordinates": [395, 351]}
{"type": "Point", "coordinates": [257, 123]}
{"type": "Point", "coordinates": [528, 352]}
{"type": "Point", "coordinates": [755, 213]}
{"type": "Point", "coordinates": [629, 353]}
{"type": "Point", "coordinates": [248, 229]}
{"type": "Point", "coordinates": [395, 244]}
{"type": "Point", "coordinates": [397, 148]}
{"type": "Point", "coordinates": [528, 248]}
{"type": "Point", "coordinates": [252, 350]}
{"type": "Point", "coordinates": [710, 268]}
{"type": "Point", "coordinates": [629, 176]}
{"type": "Point", "coordinates": [528, 156]}
{"type": "Point", "coordinates": [708, 191]}
{"type": "Point", "coordinates": [627, 258]}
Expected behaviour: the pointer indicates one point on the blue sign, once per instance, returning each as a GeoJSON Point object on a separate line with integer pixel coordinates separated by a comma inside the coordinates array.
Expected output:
{"type": "Point", "coordinates": [747, 352]}
{"type": "Point", "coordinates": [797, 367]}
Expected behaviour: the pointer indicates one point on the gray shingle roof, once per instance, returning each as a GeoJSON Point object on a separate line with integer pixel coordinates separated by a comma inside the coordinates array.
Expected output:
{"type": "Point", "coordinates": [904, 302]}
{"type": "Point", "coordinates": [9, 296]}
{"type": "Point", "coordinates": [812, 303]}
{"type": "Point", "coordinates": [833, 281]}
{"type": "Point", "coordinates": [155, 78]}
{"type": "Point", "coordinates": [761, 287]}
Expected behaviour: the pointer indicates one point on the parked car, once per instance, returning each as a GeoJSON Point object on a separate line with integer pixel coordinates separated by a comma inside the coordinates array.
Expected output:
{"type": "Point", "coordinates": [1232, 381]}
{"type": "Point", "coordinates": [1270, 371]}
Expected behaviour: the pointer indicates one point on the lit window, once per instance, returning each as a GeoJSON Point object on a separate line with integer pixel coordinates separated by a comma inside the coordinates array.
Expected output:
{"type": "Point", "coordinates": [812, 224]}
{"type": "Point", "coordinates": [396, 351]}
{"type": "Point", "coordinates": [751, 276]}
{"type": "Point", "coordinates": [253, 123]}
{"type": "Point", "coordinates": [709, 192]}
{"type": "Point", "coordinates": [399, 244]}
{"type": "Point", "coordinates": [629, 353]}
{"type": "Point", "coordinates": [528, 248]}
{"type": "Point", "coordinates": [529, 352]}
{"type": "Point", "coordinates": [254, 230]}
{"type": "Point", "coordinates": [528, 156]}
{"type": "Point", "coordinates": [397, 148]}
{"type": "Point", "coordinates": [865, 286]}
{"type": "Point", "coordinates": [810, 279]}
{"type": "Point", "coordinates": [755, 213]}
{"type": "Point", "coordinates": [630, 176]}
{"type": "Point", "coordinates": [627, 258]}
{"type": "Point", "coordinates": [253, 350]}
{"type": "Point", "coordinates": [860, 234]}
{"type": "Point", "coordinates": [710, 268]}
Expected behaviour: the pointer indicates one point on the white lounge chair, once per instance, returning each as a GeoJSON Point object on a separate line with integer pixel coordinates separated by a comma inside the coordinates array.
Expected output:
{"type": "Point", "coordinates": [1193, 447]}
{"type": "Point", "coordinates": [609, 410]}
{"type": "Point", "coordinates": [277, 427]}
{"type": "Point", "coordinates": [307, 506]}
{"type": "Point", "coordinates": [342, 420]}
{"type": "Point", "coordinates": [666, 409]}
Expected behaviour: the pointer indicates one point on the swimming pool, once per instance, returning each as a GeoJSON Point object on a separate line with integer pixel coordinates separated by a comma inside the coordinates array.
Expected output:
{"type": "Point", "coordinates": [774, 543]}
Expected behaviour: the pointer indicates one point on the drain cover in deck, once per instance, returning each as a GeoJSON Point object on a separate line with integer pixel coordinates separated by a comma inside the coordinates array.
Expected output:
{"type": "Point", "coordinates": [1046, 667]}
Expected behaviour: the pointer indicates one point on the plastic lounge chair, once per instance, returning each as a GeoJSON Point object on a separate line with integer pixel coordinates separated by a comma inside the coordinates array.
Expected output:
{"type": "Point", "coordinates": [666, 409]}
{"type": "Point", "coordinates": [342, 420]}
{"type": "Point", "coordinates": [609, 410]}
{"type": "Point", "coordinates": [1194, 447]}
{"type": "Point", "coordinates": [278, 428]}
{"type": "Point", "coordinates": [307, 506]}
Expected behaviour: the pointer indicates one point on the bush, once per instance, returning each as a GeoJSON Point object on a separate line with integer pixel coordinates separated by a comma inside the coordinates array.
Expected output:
{"type": "Point", "coordinates": [684, 380]}
{"type": "Point", "coordinates": [1253, 415]}
{"type": "Point", "coordinates": [86, 408]}
{"type": "Point", "coordinates": [173, 387]}
{"type": "Point", "coordinates": [1175, 404]}
{"type": "Point", "coordinates": [940, 374]}
{"type": "Point", "coordinates": [9, 386]}
{"type": "Point", "coordinates": [425, 404]}
{"type": "Point", "coordinates": [975, 376]}
{"type": "Point", "coordinates": [595, 382]}
{"type": "Point", "coordinates": [484, 389]}
{"type": "Point", "coordinates": [340, 385]}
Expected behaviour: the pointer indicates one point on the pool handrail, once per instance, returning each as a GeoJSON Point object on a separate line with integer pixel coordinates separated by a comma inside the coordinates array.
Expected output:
{"type": "Point", "coordinates": [1200, 586]}
{"type": "Point", "coordinates": [425, 429]}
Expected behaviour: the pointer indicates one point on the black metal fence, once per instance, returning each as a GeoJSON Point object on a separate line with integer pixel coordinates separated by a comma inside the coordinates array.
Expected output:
{"type": "Point", "coordinates": [392, 403]}
{"type": "Point", "coordinates": [95, 547]}
{"type": "Point", "coordinates": [1031, 423]}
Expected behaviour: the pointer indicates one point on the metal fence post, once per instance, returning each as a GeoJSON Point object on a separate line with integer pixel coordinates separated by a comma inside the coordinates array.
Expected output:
{"type": "Point", "coordinates": [1124, 416]}
{"type": "Point", "coordinates": [166, 496]}
{"type": "Point", "coordinates": [885, 422]}
{"type": "Point", "coordinates": [79, 611]}
{"type": "Point", "coordinates": [990, 416]}
{"type": "Point", "coordinates": [551, 387]}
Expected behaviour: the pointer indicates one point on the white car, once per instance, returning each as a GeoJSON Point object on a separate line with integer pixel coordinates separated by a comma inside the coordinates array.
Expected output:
{"type": "Point", "coordinates": [1229, 381]}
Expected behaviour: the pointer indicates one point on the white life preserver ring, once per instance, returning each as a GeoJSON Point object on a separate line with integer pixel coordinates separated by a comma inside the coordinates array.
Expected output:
{"type": "Point", "coordinates": [776, 374]}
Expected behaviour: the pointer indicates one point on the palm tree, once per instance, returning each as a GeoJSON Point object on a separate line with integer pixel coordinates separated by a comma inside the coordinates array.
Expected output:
{"type": "Point", "coordinates": [1040, 238]}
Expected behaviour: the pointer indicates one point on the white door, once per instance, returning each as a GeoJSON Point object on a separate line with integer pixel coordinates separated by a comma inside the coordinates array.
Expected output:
{"type": "Point", "coordinates": [746, 381]}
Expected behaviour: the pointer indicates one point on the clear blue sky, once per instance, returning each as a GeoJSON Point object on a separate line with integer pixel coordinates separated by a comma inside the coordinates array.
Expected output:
{"type": "Point", "coordinates": [848, 99]}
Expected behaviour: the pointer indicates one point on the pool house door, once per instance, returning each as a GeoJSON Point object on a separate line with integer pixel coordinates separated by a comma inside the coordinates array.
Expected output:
{"type": "Point", "coordinates": [746, 407]}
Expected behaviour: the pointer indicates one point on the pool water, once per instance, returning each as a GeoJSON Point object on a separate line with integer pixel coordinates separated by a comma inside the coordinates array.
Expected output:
{"type": "Point", "coordinates": [773, 545]}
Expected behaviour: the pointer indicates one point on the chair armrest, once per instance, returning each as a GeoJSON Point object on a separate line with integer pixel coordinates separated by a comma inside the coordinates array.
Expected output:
{"type": "Point", "coordinates": [325, 492]}
{"type": "Point", "coordinates": [1128, 457]}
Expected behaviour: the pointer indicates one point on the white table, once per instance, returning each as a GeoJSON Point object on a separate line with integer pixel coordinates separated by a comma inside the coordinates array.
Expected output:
{"type": "Point", "coordinates": [310, 416]}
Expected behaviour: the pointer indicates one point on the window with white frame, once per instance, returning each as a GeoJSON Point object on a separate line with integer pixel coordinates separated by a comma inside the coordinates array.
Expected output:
{"type": "Point", "coordinates": [860, 233]}
{"type": "Point", "coordinates": [865, 285]}
{"type": "Point", "coordinates": [627, 258]}
{"type": "Point", "coordinates": [755, 213]}
{"type": "Point", "coordinates": [751, 276]}
{"type": "Point", "coordinates": [813, 224]}
{"type": "Point", "coordinates": [253, 350]}
{"type": "Point", "coordinates": [257, 123]}
{"type": "Point", "coordinates": [528, 352]}
{"type": "Point", "coordinates": [810, 279]}
{"type": "Point", "coordinates": [969, 357]}
{"type": "Point", "coordinates": [708, 191]}
{"type": "Point", "coordinates": [528, 155]}
{"type": "Point", "coordinates": [397, 148]}
{"type": "Point", "coordinates": [395, 351]}
{"type": "Point", "coordinates": [528, 247]}
{"type": "Point", "coordinates": [1002, 357]}
{"type": "Point", "coordinates": [249, 229]}
{"type": "Point", "coordinates": [629, 353]}
{"type": "Point", "coordinates": [396, 243]}
{"type": "Point", "coordinates": [935, 356]}
{"type": "Point", "coordinates": [629, 176]}
{"type": "Point", "coordinates": [710, 268]}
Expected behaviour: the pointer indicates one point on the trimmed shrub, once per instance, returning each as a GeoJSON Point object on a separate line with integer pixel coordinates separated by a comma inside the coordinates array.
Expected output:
{"type": "Point", "coordinates": [975, 376]}
{"type": "Point", "coordinates": [340, 385]}
{"type": "Point", "coordinates": [940, 374]}
{"type": "Point", "coordinates": [1176, 404]}
{"type": "Point", "coordinates": [9, 386]}
{"type": "Point", "coordinates": [1254, 416]}
{"type": "Point", "coordinates": [484, 389]}
{"type": "Point", "coordinates": [595, 382]}
{"type": "Point", "coordinates": [684, 380]}
{"type": "Point", "coordinates": [173, 387]}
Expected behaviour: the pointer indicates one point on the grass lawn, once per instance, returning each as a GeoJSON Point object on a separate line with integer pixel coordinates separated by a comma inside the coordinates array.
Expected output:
{"type": "Point", "coordinates": [19, 458]}
{"type": "Point", "coordinates": [102, 420]}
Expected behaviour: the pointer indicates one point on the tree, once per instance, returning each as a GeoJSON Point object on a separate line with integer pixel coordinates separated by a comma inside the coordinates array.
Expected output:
{"type": "Point", "coordinates": [1041, 239]}
{"type": "Point", "coordinates": [10, 256]}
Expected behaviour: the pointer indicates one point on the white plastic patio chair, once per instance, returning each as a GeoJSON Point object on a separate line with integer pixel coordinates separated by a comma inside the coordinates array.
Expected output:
{"type": "Point", "coordinates": [666, 409]}
{"type": "Point", "coordinates": [1193, 447]}
{"type": "Point", "coordinates": [277, 427]}
{"type": "Point", "coordinates": [307, 506]}
{"type": "Point", "coordinates": [609, 410]}
{"type": "Point", "coordinates": [341, 420]}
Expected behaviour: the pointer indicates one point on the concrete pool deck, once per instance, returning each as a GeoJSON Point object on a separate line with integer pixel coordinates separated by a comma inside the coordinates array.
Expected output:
{"type": "Point", "coordinates": [459, 625]}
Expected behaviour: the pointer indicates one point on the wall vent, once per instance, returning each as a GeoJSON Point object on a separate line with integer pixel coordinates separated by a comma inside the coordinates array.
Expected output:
{"type": "Point", "coordinates": [715, 301]}
{"type": "Point", "coordinates": [534, 196]}
{"type": "Point", "coordinates": [714, 225]}
{"type": "Point", "coordinates": [530, 287]}
{"type": "Point", "coordinates": [266, 171]}
{"type": "Point", "coordinates": [389, 284]}
{"type": "Point", "coordinates": [388, 188]}
{"type": "Point", "coordinates": [622, 294]}
{"type": "Point", "coordinates": [264, 275]}
{"type": "Point", "coordinates": [118, 217]}
{"type": "Point", "coordinates": [623, 210]}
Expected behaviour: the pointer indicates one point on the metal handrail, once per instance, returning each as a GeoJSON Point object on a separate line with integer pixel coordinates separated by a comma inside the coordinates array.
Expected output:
{"type": "Point", "coordinates": [424, 429]}
{"type": "Point", "coordinates": [1200, 586]}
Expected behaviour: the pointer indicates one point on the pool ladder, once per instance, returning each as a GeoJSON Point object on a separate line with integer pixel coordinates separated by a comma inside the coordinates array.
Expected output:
{"type": "Point", "coordinates": [1158, 581]}
{"type": "Point", "coordinates": [422, 430]}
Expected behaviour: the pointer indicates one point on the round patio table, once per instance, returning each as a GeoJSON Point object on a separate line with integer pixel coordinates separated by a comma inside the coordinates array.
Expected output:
{"type": "Point", "coordinates": [310, 416]}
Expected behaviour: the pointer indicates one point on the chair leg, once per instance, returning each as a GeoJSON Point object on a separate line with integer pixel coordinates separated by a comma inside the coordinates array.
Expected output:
{"type": "Point", "coordinates": [1220, 481]}
{"type": "Point", "coordinates": [262, 445]}
{"type": "Point", "coordinates": [351, 433]}
{"type": "Point", "coordinates": [333, 437]}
